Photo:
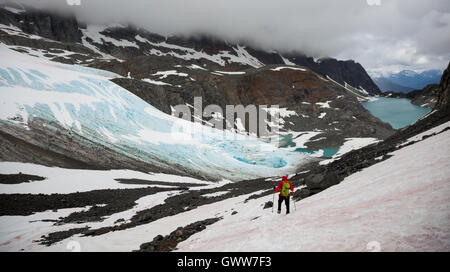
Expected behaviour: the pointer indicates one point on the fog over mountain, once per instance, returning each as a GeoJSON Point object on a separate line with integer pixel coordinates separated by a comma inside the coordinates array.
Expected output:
{"type": "Point", "coordinates": [383, 35]}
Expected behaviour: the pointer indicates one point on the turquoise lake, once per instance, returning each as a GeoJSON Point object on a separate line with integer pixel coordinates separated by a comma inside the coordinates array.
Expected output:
{"type": "Point", "coordinates": [327, 152]}
{"type": "Point", "coordinates": [398, 112]}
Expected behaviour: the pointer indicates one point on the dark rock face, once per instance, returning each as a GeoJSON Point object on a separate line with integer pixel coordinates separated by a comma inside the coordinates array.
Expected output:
{"type": "Point", "coordinates": [66, 29]}
{"type": "Point", "coordinates": [18, 178]}
{"type": "Point", "coordinates": [168, 243]}
{"type": "Point", "coordinates": [55, 237]}
{"type": "Point", "coordinates": [59, 32]}
{"type": "Point", "coordinates": [66, 33]}
{"type": "Point", "coordinates": [80, 53]}
{"type": "Point", "coordinates": [268, 204]}
{"type": "Point", "coordinates": [266, 57]}
{"type": "Point", "coordinates": [318, 180]}
{"type": "Point", "coordinates": [347, 71]}
{"type": "Point", "coordinates": [427, 97]}
{"type": "Point", "coordinates": [103, 202]}
{"type": "Point", "coordinates": [443, 102]}
{"type": "Point", "coordinates": [209, 45]}
{"type": "Point", "coordinates": [302, 193]}
{"type": "Point", "coordinates": [52, 26]}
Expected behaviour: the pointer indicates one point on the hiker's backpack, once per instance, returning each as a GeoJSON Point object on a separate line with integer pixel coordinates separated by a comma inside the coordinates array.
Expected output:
{"type": "Point", "coordinates": [285, 188]}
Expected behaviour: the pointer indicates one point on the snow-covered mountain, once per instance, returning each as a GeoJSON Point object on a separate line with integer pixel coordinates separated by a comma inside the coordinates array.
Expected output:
{"type": "Point", "coordinates": [386, 85]}
{"type": "Point", "coordinates": [76, 42]}
{"type": "Point", "coordinates": [169, 71]}
{"type": "Point", "coordinates": [406, 80]}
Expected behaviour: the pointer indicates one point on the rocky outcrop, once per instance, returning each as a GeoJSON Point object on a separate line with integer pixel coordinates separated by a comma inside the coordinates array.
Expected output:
{"type": "Point", "coordinates": [57, 37]}
{"type": "Point", "coordinates": [348, 71]}
{"type": "Point", "coordinates": [18, 178]}
{"type": "Point", "coordinates": [443, 102]}
{"type": "Point", "coordinates": [427, 97]}
{"type": "Point", "coordinates": [65, 32]}
{"type": "Point", "coordinates": [168, 243]}
{"type": "Point", "coordinates": [62, 28]}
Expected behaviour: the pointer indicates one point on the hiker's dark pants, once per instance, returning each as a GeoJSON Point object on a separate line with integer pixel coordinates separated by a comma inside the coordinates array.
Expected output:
{"type": "Point", "coordinates": [286, 200]}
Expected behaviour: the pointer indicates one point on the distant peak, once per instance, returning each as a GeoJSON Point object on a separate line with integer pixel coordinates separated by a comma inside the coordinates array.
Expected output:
{"type": "Point", "coordinates": [408, 73]}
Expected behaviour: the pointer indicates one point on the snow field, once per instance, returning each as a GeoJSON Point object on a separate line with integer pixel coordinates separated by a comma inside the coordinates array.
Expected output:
{"type": "Point", "coordinates": [400, 204]}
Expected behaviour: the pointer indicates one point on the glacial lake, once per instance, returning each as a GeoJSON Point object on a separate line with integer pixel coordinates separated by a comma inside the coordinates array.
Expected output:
{"type": "Point", "coordinates": [326, 152]}
{"type": "Point", "coordinates": [398, 112]}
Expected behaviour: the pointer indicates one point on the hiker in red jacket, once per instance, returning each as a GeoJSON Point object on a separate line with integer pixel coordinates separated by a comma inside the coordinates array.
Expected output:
{"type": "Point", "coordinates": [283, 187]}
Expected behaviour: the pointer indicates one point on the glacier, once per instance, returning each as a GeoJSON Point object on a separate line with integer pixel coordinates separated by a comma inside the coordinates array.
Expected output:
{"type": "Point", "coordinates": [83, 101]}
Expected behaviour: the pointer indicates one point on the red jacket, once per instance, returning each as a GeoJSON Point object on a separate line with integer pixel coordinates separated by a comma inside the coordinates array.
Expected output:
{"type": "Point", "coordinates": [280, 185]}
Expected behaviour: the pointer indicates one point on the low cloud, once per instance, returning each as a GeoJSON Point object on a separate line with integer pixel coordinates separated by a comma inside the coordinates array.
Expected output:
{"type": "Point", "coordinates": [381, 34]}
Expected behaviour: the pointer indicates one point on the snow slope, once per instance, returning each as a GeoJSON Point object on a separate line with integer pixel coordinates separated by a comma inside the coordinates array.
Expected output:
{"type": "Point", "coordinates": [66, 181]}
{"type": "Point", "coordinates": [19, 232]}
{"type": "Point", "coordinates": [396, 205]}
{"type": "Point", "coordinates": [85, 102]}
{"type": "Point", "coordinates": [400, 204]}
{"type": "Point", "coordinates": [22, 232]}
{"type": "Point", "coordinates": [349, 145]}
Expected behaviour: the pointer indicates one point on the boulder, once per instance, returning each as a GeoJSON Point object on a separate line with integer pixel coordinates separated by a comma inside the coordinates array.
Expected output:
{"type": "Point", "coordinates": [268, 204]}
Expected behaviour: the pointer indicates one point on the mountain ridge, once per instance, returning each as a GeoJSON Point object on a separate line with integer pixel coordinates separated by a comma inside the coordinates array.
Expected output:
{"type": "Point", "coordinates": [322, 113]}
{"type": "Point", "coordinates": [69, 31]}
{"type": "Point", "coordinates": [407, 80]}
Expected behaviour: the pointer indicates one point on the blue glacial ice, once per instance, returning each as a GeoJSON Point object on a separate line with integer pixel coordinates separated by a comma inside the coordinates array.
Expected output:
{"type": "Point", "coordinates": [85, 102]}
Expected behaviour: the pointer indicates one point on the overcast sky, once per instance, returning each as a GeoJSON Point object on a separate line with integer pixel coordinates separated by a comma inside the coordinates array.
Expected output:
{"type": "Point", "coordinates": [383, 35]}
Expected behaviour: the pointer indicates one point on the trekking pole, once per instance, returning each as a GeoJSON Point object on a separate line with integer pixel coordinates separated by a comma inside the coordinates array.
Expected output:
{"type": "Point", "coordinates": [293, 200]}
{"type": "Point", "coordinates": [273, 200]}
